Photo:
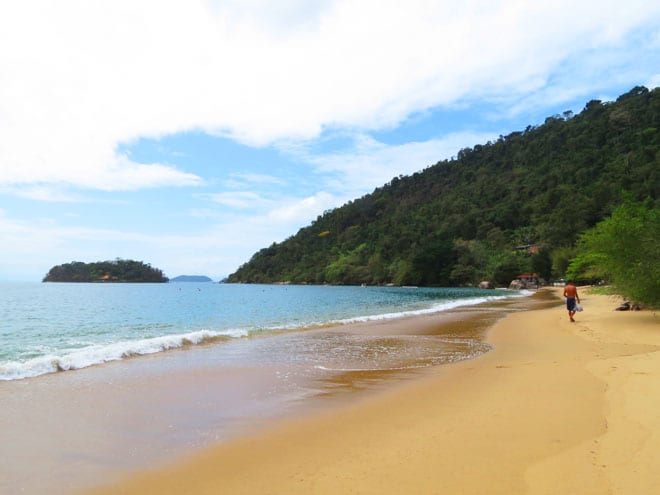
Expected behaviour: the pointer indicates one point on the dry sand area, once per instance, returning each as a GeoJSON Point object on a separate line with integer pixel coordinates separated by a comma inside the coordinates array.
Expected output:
{"type": "Point", "coordinates": [556, 407]}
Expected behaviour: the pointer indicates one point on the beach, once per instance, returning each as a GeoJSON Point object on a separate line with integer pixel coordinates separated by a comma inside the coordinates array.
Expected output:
{"type": "Point", "coordinates": [555, 407]}
{"type": "Point", "coordinates": [111, 411]}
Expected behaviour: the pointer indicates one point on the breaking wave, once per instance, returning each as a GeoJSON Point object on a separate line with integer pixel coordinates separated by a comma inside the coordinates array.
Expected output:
{"type": "Point", "coordinates": [98, 354]}
{"type": "Point", "coordinates": [436, 308]}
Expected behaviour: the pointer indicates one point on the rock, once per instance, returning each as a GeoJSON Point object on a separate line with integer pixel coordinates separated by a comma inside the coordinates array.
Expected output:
{"type": "Point", "coordinates": [517, 285]}
{"type": "Point", "coordinates": [627, 306]}
{"type": "Point", "coordinates": [486, 285]}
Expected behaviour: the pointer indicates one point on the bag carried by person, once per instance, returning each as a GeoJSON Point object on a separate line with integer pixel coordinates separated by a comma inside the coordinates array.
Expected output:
{"type": "Point", "coordinates": [578, 307]}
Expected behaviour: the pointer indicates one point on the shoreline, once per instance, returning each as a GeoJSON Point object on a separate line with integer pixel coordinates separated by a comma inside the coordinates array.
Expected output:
{"type": "Point", "coordinates": [105, 352]}
{"type": "Point", "coordinates": [64, 432]}
{"type": "Point", "coordinates": [555, 407]}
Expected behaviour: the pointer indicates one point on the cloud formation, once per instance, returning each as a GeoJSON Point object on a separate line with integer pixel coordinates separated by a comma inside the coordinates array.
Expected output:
{"type": "Point", "coordinates": [371, 164]}
{"type": "Point", "coordinates": [81, 78]}
{"type": "Point", "coordinates": [84, 84]}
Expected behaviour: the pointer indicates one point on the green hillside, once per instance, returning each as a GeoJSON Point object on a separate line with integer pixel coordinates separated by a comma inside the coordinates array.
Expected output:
{"type": "Point", "coordinates": [497, 210]}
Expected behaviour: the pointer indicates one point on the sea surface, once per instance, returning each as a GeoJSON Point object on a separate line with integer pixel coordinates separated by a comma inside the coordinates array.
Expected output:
{"type": "Point", "coordinates": [53, 327]}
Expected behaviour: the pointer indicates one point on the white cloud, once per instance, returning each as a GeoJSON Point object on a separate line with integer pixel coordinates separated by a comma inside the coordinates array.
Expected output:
{"type": "Point", "coordinates": [654, 81]}
{"type": "Point", "coordinates": [237, 199]}
{"type": "Point", "coordinates": [79, 78]}
{"type": "Point", "coordinates": [300, 212]}
{"type": "Point", "coordinates": [43, 193]}
{"type": "Point", "coordinates": [241, 179]}
{"type": "Point", "coordinates": [371, 163]}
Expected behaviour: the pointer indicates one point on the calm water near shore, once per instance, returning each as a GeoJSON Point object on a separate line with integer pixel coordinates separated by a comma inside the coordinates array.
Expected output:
{"type": "Point", "coordinates": [76, 410]}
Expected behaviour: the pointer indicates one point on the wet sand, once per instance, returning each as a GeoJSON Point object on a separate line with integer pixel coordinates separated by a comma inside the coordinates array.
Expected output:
{"type": "Point", "coordinates": [555, 407]}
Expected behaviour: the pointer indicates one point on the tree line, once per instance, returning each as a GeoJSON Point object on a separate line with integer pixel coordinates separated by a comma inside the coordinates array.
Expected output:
{"type": "Point", "coordinates": [515, 205]}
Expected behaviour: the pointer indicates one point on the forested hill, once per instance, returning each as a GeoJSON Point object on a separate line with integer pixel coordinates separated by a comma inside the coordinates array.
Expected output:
{"type": "Point", "coordinates": [499, 209]}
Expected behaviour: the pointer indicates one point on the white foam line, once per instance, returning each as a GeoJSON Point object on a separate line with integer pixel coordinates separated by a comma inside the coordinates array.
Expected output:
{"type": "Point", "coordinates": [97, 354]}
{"type": "Point", "coordinates": [474, 301]}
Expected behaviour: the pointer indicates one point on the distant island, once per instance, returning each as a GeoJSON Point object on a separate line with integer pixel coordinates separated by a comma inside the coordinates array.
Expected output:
{"type": "Point", "coordinates": [118, 270]}
{"type": "Point", "coordinates": [191, 278]}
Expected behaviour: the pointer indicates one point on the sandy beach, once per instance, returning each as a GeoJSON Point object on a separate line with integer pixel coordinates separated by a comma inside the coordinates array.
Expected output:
{"type": "Point", "coordinates": [555, 407]}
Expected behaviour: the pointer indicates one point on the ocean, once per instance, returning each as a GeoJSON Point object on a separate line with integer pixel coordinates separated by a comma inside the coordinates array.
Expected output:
{"type": "Point", "coordinates": [53, 327]}
{"type": "Point", "coordinates": [98, 381]}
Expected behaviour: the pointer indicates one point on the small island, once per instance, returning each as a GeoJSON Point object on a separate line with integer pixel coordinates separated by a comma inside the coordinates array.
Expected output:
{"type": "Point", "coordinates": [118, 270]}
{"type": "Point", "coordinates": [191, 278]}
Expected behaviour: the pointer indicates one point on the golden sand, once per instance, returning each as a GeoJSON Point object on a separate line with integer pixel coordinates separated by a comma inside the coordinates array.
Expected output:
{"type": "Point", "coordinates": [556, 407]}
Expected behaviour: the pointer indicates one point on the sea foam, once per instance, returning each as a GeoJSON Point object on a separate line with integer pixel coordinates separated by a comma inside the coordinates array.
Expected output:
{"type": "Point", "coordinates": [436, 308]}
{"type": "Point", "coordinates": [98, 354]}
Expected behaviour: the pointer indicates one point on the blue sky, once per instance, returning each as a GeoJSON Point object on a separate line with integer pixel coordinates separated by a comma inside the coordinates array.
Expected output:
{"type": "Point", "coordinates": [190, 134]}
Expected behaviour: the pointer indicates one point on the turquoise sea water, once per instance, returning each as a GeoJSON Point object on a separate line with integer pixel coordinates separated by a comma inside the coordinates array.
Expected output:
{"type": "Point", "coordinates": [53, 327]}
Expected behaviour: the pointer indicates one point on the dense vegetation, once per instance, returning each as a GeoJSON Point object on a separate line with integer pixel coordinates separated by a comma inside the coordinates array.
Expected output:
{"type": "Point", "coordinates": [105, 271]}
{"type": "Point", "coordinates": [497, 210]}
{"type": "Point", "coordinates": [625, 250]}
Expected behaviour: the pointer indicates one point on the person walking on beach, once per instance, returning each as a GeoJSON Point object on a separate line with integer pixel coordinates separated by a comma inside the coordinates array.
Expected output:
{"type": "Point", "coordinates": [571, 295]}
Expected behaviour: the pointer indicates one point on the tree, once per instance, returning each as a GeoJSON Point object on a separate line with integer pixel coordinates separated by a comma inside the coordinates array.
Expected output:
{"type": "Point", "coordinates": [542, 264]}
{"type": "Point", "coordinates": [561, 258]}
{"type": "Point", "coordinates": [506, 266]}
{"type": "Point", "coordinates": [625, 250]}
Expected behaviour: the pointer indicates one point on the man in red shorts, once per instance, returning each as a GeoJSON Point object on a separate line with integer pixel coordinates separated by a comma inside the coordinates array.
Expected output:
{"type": "Point", "coordinates": [571, 295]}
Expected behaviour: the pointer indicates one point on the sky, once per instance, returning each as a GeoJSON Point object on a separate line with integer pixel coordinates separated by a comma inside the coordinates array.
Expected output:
{"type": "Point", "coordinates": [189, 134]}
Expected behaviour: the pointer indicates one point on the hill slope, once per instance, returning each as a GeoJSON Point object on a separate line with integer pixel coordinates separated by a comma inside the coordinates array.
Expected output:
{"type": "Point", "coordinates": [461, 220]}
